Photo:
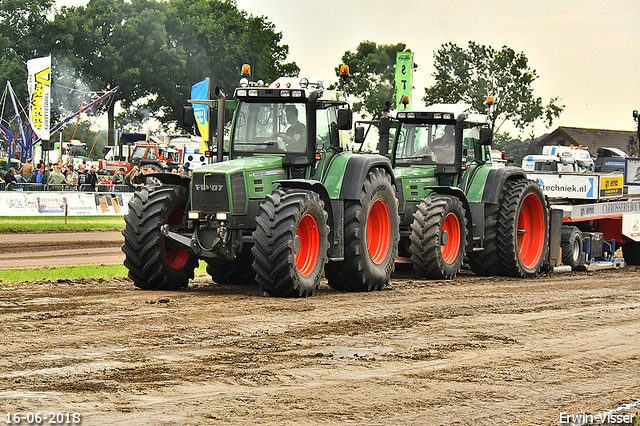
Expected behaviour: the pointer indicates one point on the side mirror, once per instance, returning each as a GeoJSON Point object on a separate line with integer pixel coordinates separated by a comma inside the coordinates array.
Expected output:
{"type": "Point", "coordinates": [359, 136]}
{"type": "Point", "coordinates": [345, 119]}
{"type": "Point", "coordinates": [188, 119]}
{"type": "Point", "coordinates": [485, 136]}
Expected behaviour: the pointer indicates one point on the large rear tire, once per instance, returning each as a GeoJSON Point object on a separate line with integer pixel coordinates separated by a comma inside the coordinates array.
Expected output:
{"type": "Point", "coordinates": [523, 229]}
{"type": "Point", "coordinates": [371, 233]}
{"type": "Point", "coordinates": [232, 272]}
{"type": "Point", "coordinates": [291, 243]}
{"type": "Point", "coordinates": [438, 237]}
{"type": "Point", "coordinates": [155, 262]}
{"type": "Point", "coordinates": [631, 252]}
{"type": "Point", "coordinates": [487, 261]}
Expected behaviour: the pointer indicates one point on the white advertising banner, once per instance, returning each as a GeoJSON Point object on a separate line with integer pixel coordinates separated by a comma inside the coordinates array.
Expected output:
{"type": "Point", "coordinates": [565, 185]}
{"type": "Point", "coordinates": [39, 83]}
{"type": "Point", "coordinates": [18, 203]}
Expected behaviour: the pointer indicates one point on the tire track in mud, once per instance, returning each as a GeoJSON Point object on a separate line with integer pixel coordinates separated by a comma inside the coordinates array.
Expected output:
{"type": "Point", "coordinates": [468, 351]}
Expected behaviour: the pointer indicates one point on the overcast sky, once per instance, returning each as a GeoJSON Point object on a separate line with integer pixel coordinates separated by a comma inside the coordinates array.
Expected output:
{"type": "Point", "coordinates": [587, 52]}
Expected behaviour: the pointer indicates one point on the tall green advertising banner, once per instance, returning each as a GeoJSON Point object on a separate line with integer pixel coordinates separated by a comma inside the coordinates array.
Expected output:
{"type": "Point", "coordinates": [404, 76]}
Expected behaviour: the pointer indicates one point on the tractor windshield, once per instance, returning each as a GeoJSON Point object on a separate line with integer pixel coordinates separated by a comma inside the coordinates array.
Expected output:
{"type": "Point", "coordinates": [425, 143]}
{"type": "Point", "coordinates": [270, 127]}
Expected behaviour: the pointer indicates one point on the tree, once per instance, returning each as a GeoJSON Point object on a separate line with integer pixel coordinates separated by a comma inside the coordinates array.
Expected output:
{"type": "Point", "coordinates": [514, 148]}
{"type": "Point", "coordinates": [470, 75]}
{"type": "Point", "coordinates": [21, 28]}
{"type": "Point", "coordinates": [372, 69]}
{"type": "Point", "coordinates": [153, 50]}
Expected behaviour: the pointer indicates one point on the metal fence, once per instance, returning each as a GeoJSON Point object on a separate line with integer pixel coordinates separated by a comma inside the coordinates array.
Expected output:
{"type": "Point", "coordinates": [64, 187]}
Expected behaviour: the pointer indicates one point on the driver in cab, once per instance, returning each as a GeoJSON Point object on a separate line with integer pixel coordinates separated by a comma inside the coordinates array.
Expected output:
{"type": "Point", "coordinates": [443, 147]}
{"type": "Point", "coordinates": [295, 134]}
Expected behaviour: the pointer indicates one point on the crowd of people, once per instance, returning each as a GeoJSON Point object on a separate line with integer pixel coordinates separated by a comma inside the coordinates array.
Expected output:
{"type": "Point", "coordinates": [67, 177]}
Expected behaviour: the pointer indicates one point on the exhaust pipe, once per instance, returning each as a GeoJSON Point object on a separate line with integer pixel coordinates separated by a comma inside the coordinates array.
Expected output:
{"type": "Point", "coordinates": [220, 136]}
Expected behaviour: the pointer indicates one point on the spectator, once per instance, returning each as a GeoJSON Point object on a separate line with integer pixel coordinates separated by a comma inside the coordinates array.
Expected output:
{"type": "Point", "coordinates": [72, 176]}
{"type": "Point", "coordinates": [10, 178]}
{"type": "Point", "coordinates": [56, 178]}
{"type": "Point", "coordinates": [82, 176]}
{"type": "Point", "coordinates": [45, 172]}
{"type": "Point", "coordinates": [128, 179]}
{"type": "Point", "coordinates": [174, 171]}
{"type": "Point", "coordinates": [26, 170]}
{"type": "Point", "coordinates": [118, 177]}
{"type": "Point", "coordinates": [140, 179]}
{"type": "Point", "coordinates": [36, 176]}
{"type": "Point", "coordinates": [105, 184]}
{"type": "Point", "coordinates": [92, 179]}
{"type": "Point", "coordinates": [181, 171]}
{"type": "Point", "coordinates": [150, 180]}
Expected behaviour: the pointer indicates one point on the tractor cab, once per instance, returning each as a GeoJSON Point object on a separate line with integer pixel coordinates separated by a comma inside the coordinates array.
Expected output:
{"type": "Point", "coordinates": [294, 119]}
{"type": "Point", "coordinates": [447, 138]}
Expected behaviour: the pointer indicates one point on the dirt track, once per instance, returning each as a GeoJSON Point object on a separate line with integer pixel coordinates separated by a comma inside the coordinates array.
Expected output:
{"type": "Point", "coordinates": [477, 351]}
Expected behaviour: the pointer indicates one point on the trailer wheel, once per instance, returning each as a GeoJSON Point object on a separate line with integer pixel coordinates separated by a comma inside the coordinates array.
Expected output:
{"type": "Point", "coordinates": [438, 237]}
{"type": "Point", "coordinates": [291, 243]}
{"type": "Point", "coordinates": [487, 262]}
{"type": "Point", "coordinates": [155, 262]}
{"type": "Point", "coordinates": [371, 232]}
{"type": "Point", "coordinates": [631, 252]}
{"type": "Point", "coordinates": [232, 272]}
{"type": "Point", "coordinates": [571, 243]}
{"type": "Point", "coordinates": [523, 229]}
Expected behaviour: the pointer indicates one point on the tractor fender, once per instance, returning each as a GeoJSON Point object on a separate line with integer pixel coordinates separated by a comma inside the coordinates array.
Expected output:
{"type": "Point", "coordinates": [453, 191]}
{"type": "Point", "coordinates": [356, 171]}
{"type": "Point", "coordinates": [172, 179]}
{"type": "Point", "coordinates": [310, 185]}
{"type": "Point", "coordinates": [496, 180]}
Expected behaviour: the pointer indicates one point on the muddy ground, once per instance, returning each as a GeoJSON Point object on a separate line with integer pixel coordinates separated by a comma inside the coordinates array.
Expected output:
{"type": "Point", "coordinates": [476, 351]}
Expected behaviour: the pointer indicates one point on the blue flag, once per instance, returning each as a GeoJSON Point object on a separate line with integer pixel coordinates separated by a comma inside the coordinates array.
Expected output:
{"type": "Point", "coordinates": [201, 91]}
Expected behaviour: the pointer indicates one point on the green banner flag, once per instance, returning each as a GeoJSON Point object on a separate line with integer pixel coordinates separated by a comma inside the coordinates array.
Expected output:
{"type": "Point", "coordinates": [404, 75]}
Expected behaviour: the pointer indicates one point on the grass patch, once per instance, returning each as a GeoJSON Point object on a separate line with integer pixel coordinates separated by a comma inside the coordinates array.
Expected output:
{"type": "Point", "coordinates": [57, 223]}
{"type": "Point", "coordinates": [73, 273]}
{"type": "Point", "coordinates": [64, 273]}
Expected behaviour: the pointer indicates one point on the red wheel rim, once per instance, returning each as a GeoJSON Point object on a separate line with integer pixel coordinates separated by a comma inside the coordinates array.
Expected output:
{"type": "Point", "coordinates": [378, 232]}
{"type": "Point", "coordinates": [176, 257]}
{"type": "Point", "coordinates": [530, 231]}
{"type": "Point", "coordinates": [307, 255]}
{"type": "Point", "coordinates": [450, 250]}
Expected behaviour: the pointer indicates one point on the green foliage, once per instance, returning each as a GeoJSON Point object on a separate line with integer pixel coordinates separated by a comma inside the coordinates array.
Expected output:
{"type": "Point", "coordinates": [153, 50]}
{"type": "Point", "coordinates": [470, 75]}
{"type": "Point", "coordinates": [21, 38]}
{"type": "Point", "coordinates": [372, 68]}
{"type": "Point", "coordinates": [514, 148]}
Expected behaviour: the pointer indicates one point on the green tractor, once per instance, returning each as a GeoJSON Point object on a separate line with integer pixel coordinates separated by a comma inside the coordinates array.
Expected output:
{"type": "Point", "coordinates": [456, 201]}
{"type": "Point", "coordinates": [288, 206]}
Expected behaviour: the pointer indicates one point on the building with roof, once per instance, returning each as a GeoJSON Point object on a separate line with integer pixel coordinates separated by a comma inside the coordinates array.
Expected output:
{"type": "Point", "coordinates": [590, 139]}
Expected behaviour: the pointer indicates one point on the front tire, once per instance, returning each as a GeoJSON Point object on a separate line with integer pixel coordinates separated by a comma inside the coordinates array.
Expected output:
{"type": "Point", "coordinates": [291, 243]}
{"type": "Point", "coordinates": [523, 229]}
{"type": "Point", "coordinates": [155, 262]}
{"type": "Point", "coordinates": [438, 237]}
{"type": "Point", "coordinates": [232, 272]}
{"type": "Point", "coordinates": [371, 232]}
